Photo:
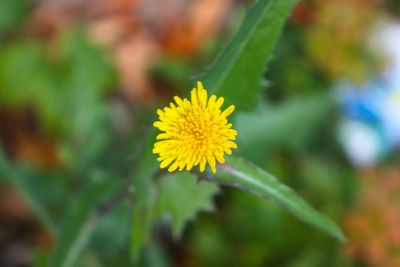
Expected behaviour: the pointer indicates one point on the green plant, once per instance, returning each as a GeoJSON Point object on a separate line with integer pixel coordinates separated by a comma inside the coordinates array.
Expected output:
{"type": "Point", "coordinates": [67, 95]}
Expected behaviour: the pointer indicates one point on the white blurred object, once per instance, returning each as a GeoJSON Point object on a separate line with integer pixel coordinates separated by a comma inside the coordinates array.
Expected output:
{"type": "Point", "coordinates": [386, 40]}
{"type": "Point", "coordinates": [361, 143]}
{"type": "Point", "coordinates": [390, 112]}
{"type": "Point", "coordinates": [371, 127]}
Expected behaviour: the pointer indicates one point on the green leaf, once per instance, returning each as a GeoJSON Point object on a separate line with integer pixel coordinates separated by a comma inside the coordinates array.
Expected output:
{"type": "Point", "coordinates": [181, 198]}
{"type": "Point", "coordinates": [143, 197]}
{"type": "Point", "coordinates": [26, 185]}
{"type": "Point", "coordinates": [25, 60]}
{"type": "Point", "coordinates": [11, 13]}
{"type": "Point", "coordinates": [66, 92]}
{"type": "Point", "coordinates": [240, 173]}
{"type": "Point", "coordinates": [84, 76]}
{"type": "Point", "coordinates": [111, 233]}
{"type": "Point", "coordinates": [73, 250]}
{"type": "Point", "coordinates": [238, 70]}
{"type": "Point", "coordinates": [290, 125]}
{"type": "Point", "coordinates": [82, 216]}
{"type": "Point", "coordinates": [154, 256]}
{"type": "Point", "coordinates": [40, 259]}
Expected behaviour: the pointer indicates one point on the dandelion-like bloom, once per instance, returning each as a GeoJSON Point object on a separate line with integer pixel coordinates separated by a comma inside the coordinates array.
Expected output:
{"type": "Point", "coordinates": [195, 132]}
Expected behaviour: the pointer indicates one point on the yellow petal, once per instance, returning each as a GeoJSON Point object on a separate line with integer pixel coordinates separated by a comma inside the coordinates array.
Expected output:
{"type": "Point", "coordinates": [219, 102]}
{"type": "Point", "coordinates": [173, 167]}
{"type": "Point", "coordinates": [193, 97]}
{"type": "Point", "coordinates": [203, 162]}
{"type": "Point", "coordinates": [166, 162]}
{"type": "Point", "coordinates": [178, 100]}
{"type": "Point", "coordinates": [228, 111]}
{"type": "Point", "coordinates": [211, 101]}
{"type": "Point", "coordinates": [200, 86]}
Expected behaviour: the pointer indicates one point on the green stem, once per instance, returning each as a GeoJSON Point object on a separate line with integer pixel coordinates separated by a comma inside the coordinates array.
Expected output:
{"type": "Point", "coordinates": [83, 237]}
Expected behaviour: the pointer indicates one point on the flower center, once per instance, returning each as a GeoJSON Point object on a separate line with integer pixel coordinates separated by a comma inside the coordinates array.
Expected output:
{"type": "Point", "coordinates": [196, 132]}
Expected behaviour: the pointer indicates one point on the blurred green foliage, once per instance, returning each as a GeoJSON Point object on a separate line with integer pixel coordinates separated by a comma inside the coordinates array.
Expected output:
{"type": "Point", "coordinates": [65, 88]}
{"type": "Point", "coordinates": [12, 13]}
{"type": "Point", "coordinates": [236, 73]}
{"type": "Point", "coordinates": [293, 124]}
{"type": "Point", "coordinates": [104, 208]}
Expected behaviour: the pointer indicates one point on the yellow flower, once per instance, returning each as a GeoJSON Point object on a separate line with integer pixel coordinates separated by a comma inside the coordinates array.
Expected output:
{"type": "Point", "coordinates": [195, 132]}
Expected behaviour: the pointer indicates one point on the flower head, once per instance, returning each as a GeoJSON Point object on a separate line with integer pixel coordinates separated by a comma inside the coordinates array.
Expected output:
{"type": "Point", "coordinates": [195, 132]}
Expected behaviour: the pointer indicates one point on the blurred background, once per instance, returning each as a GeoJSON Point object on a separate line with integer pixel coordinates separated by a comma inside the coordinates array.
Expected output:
{"type": "Point", "coordinates": [80, 81]}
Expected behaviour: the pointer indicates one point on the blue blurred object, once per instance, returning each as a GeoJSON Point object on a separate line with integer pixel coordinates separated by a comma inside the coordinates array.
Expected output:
{"type": "Point", "coordinates": [371, 118]}
{"type": "Point", "coordinates": [370, 127]}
